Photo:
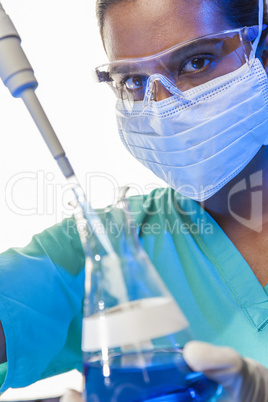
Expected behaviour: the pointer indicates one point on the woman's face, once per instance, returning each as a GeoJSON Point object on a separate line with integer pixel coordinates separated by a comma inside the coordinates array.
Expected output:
{"type": "Point", "coordinates": [141, 28]}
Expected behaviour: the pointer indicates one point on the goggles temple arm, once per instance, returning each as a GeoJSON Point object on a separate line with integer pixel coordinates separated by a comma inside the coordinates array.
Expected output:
{"type": "Point", "coordinates": [257, 40]}
{"type": "Point", "coordinates": [102, 76]}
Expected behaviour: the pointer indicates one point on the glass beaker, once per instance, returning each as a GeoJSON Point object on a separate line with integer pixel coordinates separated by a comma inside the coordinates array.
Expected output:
{"type": "Point", "coordinates": [133, 330]}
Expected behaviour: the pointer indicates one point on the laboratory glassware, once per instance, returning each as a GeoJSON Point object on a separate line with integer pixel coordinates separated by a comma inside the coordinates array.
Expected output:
{"type": "Point", "coordinates": [133, 330]}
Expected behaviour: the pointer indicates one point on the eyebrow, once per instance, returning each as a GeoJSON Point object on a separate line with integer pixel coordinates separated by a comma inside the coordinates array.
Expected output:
{"type": "Point", "coordinates": [196, 48]}
{"type": "Point", "coordinates": [126, 68]}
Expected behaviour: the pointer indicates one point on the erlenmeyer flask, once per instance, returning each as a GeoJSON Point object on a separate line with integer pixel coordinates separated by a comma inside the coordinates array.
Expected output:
{"type": "Point", "coordinates": [133, 330]}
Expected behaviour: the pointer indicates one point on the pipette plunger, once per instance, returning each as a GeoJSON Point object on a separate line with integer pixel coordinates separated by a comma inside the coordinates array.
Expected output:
{"type": "Point", "coordinates": [17, 74]}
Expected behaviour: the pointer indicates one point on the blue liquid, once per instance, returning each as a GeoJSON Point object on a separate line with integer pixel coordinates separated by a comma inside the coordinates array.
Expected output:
{"type": "Point", "coordinates": [162, 376]}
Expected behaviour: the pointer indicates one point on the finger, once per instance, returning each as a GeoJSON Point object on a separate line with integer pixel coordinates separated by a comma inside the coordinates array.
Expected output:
{"type": "Point", "coordinates": [201, 356]}
{"type": "Point", "coordinates": [221, 364]}
{"type": "Point", "coordinates": [71, 396]}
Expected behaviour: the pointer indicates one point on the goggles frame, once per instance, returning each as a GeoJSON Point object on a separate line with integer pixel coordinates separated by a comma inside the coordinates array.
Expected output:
{"type": "Point", "coordinates": [250, 33]}
{"type": "Point", "coordinates": [102, 72]}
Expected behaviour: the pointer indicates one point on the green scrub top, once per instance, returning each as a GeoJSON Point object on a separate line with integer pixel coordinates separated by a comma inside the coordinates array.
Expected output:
{"type": "Point", "coordinates": [42, 288]}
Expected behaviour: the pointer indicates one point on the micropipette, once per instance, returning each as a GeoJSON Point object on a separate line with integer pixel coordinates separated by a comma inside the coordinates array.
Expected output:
{"type": "Point", "coordinates": [17, 74]}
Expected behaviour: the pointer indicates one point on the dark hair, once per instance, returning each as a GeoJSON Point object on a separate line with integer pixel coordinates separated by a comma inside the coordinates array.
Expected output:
{"type": "Point", "coordinates": [238, 12]}
{"type": "Point", "coordinates": [242, 12]}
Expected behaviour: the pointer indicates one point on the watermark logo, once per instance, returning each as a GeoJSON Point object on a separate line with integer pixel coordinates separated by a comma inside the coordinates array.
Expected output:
{"type": "Point", "coordinates": [251, 192]}
{"type": "Point", "coordinates": [38, 193]}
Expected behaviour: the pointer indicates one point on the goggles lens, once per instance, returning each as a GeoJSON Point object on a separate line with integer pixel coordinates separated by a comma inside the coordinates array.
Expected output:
{"type": "Point", "coordinates": [179, 68]}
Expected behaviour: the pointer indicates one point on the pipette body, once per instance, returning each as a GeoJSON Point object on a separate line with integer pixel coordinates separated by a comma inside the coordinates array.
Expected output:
{"type": "Point", "coordinates": [17, 74]}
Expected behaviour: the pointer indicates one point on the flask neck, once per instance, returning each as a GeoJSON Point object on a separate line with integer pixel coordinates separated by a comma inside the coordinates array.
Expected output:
{"type": "Point", "coordinates": [122, 229]}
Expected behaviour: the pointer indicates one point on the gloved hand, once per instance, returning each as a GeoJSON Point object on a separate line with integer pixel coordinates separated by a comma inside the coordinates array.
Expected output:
{"type": "Point", "coordinates": [71, 396]}
{"type": "Point", "coordinates": [244, 379]}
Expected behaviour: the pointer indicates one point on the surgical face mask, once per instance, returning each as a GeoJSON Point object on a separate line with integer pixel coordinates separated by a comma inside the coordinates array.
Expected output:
{"type": "Point", "coordinates": [213, 123]}
{"type": "Point", "coordinates": [199, 145]}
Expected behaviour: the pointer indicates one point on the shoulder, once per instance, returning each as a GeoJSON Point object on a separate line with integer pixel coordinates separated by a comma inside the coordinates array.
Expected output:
{"type": "Point", "coordinates": [161, 203]}
{"type": "Point", "coordinates": [60, 245]}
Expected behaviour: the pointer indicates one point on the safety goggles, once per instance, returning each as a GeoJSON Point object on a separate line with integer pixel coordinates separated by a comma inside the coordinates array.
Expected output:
{"type": "Point", "coordinates": [179, 68]}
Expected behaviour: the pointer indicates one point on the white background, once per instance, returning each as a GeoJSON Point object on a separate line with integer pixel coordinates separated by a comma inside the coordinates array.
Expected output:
{"type": "Point", "coordinates": [63, 45]}
{"type": "Point", "coordinates": [61, 40]}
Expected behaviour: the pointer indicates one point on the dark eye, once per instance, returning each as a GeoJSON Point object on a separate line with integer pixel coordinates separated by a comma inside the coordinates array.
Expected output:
{"type": "Point", "coordinates": [135, 82]}
{"type": "Point", "coordinates": [195, 64]}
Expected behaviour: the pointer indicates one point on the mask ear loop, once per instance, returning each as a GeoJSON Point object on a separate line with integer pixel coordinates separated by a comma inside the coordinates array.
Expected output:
{"type": "Point", "coordinates": [257, 40]}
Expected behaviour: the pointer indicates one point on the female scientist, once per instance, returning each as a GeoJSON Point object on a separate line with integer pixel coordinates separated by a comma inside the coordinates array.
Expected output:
{"type": "Point", "coordinates": [192, 106]}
